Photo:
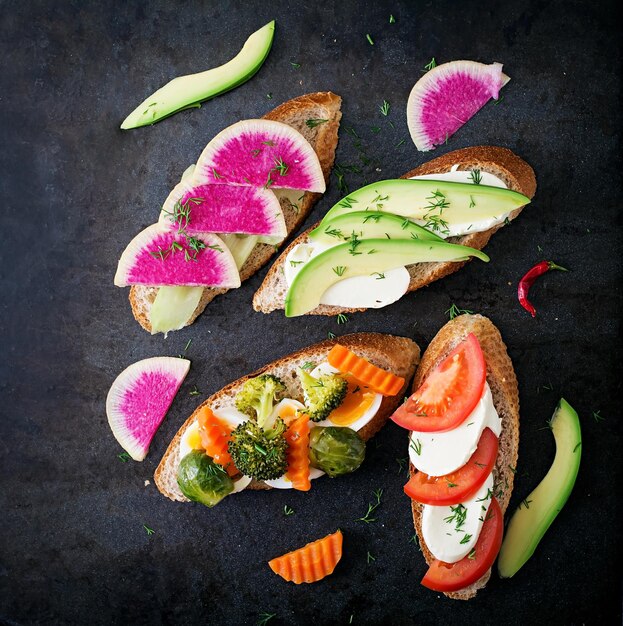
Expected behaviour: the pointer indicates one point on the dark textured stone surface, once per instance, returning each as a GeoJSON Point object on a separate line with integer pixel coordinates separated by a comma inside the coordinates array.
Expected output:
{"type": "Point", "coordinates": [75, 189]}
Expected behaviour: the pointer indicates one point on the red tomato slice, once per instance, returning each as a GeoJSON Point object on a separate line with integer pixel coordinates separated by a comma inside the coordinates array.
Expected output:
{"type": "Point", "coordinates": [454, 576]}
{"type": "Point", "coordinates": [449, 393]}
{"type": "Point", "coordinates": [460, 485]}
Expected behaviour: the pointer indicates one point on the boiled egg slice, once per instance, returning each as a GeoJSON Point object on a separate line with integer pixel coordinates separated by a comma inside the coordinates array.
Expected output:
{"type": "Point", "coordinates": [191, 439]}
{"type": "Point", "coordinates": [360, 405]}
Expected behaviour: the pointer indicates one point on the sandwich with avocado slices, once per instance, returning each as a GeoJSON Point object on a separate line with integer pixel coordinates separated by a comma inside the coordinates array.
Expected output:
{"type": "Point", "coordinates": [395, 236]}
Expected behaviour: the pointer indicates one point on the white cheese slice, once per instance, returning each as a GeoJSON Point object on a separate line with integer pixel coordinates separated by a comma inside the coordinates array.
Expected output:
{"type": "Point", "coordinates": [439, 453]}
{"type": "Point", "coordinates": [450, 532]}
{"type": "Point", "coordinates": [369, 292]}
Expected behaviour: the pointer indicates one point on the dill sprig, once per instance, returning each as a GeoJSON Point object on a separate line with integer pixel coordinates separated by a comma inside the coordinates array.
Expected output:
{"type": "Point", "coordinates": [341, 318]}
{"type": "Point", "coordinates": [454, 311]}
{"type": "Point", "coordinates": [312, 123]}
{"type": "Point", "coordinates": [148, 530]}
{"type": "Point", "coordinates": [264, 618]}
{"type": "Point", "coordinates": [124, 457]}
{"type": "Point", "coordinates": [416, 446]}
{"type": "Point", "coordinates": [194, 391]}
{"type": "Point", "coordinates": [402, 464]}
{"type": "Point", "coordinates": [458, 517]}
{"type": "Point", "coordinates": [384, 108]}
{"type": "Point", "coordinates": [280, 167]}
{"type": "Point", "coordinates": [372, 506]}
{"type": "Point", "coordinates": [430, 65]}
{"type": "Point", "coordinates": [287, 511]}
{"type": "Point", "coordinates": [370, 558]}
{"type": "Point", "coordinates": [476, 177]}
{"type": "Point", "coordinates": [369, 38]}
{"type": "Point", "coordinates": [392, 19]}
{"type": "Point", "coordinates": [598, 417]}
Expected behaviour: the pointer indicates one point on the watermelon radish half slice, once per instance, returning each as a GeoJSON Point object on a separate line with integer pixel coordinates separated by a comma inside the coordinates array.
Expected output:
{"type": "Point", "coordinates": [158, 256]}
{"type": "Point", "coordinates": [260, 153]}
{"type": "Point", "coordinates": [140, 398]}
{"type": "Point", "coordinates": [449, 95]}
{"type": "Point", "coordinates": [204, 207]}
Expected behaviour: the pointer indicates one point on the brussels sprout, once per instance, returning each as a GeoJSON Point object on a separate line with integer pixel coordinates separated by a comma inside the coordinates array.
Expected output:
{"type": "Point", "coordinates": [202, 480]}
{"type": "Point", "coordinates": [336, 450]}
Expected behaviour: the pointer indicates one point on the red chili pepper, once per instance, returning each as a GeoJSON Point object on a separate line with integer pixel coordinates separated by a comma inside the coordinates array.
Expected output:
{"type": "Point", "coordinates": [528, 280]}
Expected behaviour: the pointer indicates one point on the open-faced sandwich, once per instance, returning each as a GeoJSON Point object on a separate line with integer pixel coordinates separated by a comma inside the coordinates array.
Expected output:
{"type": "Point", "coordinates": [252, 186]}
{"type": "Point", "coordinates": [305, 415]}
{"type": "Point", "coordinates": [463, 416]}
{"type": "Point", "coordinates": [395, 236]}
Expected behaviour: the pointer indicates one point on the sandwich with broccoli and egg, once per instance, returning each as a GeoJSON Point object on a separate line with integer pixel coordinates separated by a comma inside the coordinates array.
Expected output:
{"type": "Point", "coordinates": [305, 415]}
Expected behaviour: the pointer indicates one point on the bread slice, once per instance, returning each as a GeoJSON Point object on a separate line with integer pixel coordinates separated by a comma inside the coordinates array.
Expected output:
{"type": "Point", "coordinates": [398, 354]}
{"type": "Point", "coordinates": [503, 382]}
{"type": "Point", "coordinates": [501, 162]}
{"type": "Point", "coordinates": [323, 139]}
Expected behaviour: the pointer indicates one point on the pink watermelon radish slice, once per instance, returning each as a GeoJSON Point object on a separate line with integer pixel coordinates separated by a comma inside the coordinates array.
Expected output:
{"type": "Point", "coordinates": [260, 153]}
{"type": "Point", "coordinates": [139, 399]}
{"type": "Point", "coordinates": [204, 207]}
{"type": "Point", "coordinates": [159, 256]}
{"type": "Point", "coordinates": [449, 95]}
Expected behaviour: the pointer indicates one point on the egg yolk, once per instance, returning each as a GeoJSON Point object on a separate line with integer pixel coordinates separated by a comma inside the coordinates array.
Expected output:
{"type": "Point", "coordinates": [194, 440]}
{"type": "Point", "coordinates": [358, 400]}
{"type": "Point", "coordinates": [288, 413]}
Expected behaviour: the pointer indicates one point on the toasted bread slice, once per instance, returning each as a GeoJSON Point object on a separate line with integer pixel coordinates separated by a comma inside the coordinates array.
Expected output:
{"type": "Point", "coordinates": [295, 205]}
{"type": "Point", "coordinates": [397, 354]}
{"type": "Point", "coordinates": [503, 382]}
{"type": "Point", "coordinates": [501, 162]}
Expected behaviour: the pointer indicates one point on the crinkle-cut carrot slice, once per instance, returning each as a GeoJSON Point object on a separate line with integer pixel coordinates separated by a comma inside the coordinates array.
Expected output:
{"type": "Point", "coordinates": [311, 562]}
{"type": "Point", "coordinates": [297, 437]}
{"type": "Point", "coordinates": [215, 434]}
{"type": "Point", "coordinates": [380, 380]}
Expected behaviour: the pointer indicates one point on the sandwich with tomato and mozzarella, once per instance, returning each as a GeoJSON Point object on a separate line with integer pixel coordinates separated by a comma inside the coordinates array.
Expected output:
{"type": "Point", "coordinates": [463, 418]}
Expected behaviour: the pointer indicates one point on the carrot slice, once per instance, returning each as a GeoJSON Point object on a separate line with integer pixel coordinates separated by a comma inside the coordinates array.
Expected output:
{"type": "Point", "coordinates": [297, 437]}
{"type": "Point", "coordinates": [311, 562]}
{"type": "Point", "coordinates": [378, 379]}
{"type": "Point", "coordinates": [215, 434]}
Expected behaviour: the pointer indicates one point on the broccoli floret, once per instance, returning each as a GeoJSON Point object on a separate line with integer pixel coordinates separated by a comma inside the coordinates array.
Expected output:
{"type": "Point", "coordinates": [257, 397]}
{"type": "Point", "coordinates": [258, 452]}
{"type": "Point", "coordinates": [322, 394]}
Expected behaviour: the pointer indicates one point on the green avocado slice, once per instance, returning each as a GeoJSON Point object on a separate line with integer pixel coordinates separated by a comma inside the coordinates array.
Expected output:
{"type": "Point", "coordinates": [361, 258]}
{"type": "Point", "coordinates": [436, 203]}
{"type": "Point", "coordinates": [189, 91]}
{"type": "Point", "coordinates": [367, 225]}
{"type": "Point", "coordinates": [173, 307]}
{"type": "Point", "coordinates": [536, 513]}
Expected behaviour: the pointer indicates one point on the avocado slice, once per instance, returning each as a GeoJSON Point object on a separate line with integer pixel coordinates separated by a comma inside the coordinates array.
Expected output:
{"type": "Point", "coordinates": [173, 307]}
{"type": "Point", "coordinates": [536, 513]}
{"type": "Point", "coordinates": [367, 225]}
{"type": "Point", "coordinates": [189, 91]}
{"type": "Point", "coordinates": [361, 258]}
{"type": "Point", "coordinates": [437, 204]}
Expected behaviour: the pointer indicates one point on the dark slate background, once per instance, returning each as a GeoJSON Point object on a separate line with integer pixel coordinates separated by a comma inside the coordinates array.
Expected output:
{"type": "Point", "coordinates": [75, 189]}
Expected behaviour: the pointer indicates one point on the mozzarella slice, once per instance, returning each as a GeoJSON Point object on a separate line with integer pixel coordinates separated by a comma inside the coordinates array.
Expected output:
{"type": "Point", "coordinates": [369, 292]}
{"type": "Point", "coordinates": [437, 454]}
{"type": "Point", "coordinates": [450, 532]}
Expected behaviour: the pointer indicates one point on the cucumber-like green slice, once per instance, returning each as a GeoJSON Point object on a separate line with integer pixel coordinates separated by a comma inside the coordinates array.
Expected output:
{"type": "Point", "coordinates": [536, 513]}
{"type": "Point", "coordinates": [189, 91]}
{"type": "Point", "coordinates": [173, 307]}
